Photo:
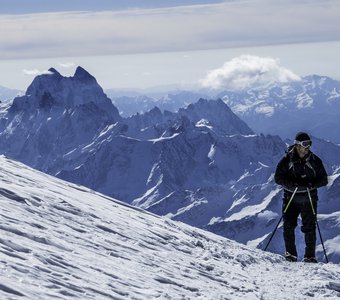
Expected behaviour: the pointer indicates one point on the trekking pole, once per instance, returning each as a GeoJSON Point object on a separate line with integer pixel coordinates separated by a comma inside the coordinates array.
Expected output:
{"type": "Point", "coordinates": [317, 224]}
{"type": "Point", "coordinates": [278, 223]}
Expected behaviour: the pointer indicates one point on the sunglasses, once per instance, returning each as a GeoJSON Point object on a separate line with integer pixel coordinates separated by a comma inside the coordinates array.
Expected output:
{"type": "Point", "coordinates": [304, 144]}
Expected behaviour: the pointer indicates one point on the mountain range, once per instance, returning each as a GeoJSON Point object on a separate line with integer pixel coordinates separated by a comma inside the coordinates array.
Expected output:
{"type": "Point", "coordinates": [141, 102]}
{"type": "Point", "coordinates": [201, 165]}
{"type": "Point", "coordinates": [312, 104]}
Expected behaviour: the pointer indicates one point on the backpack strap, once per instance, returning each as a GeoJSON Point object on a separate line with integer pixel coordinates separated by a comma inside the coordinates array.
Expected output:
{"type": "Point", "coordinates": [289, 155]}
{"type": "Point", "coordinates": [309, 165]}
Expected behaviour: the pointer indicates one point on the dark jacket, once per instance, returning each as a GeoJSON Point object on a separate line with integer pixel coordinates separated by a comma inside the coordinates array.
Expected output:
{"type": "Point", "coordinates": [293, 171]}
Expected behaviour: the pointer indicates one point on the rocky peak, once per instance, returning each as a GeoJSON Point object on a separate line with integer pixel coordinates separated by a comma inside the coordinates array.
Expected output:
{"type": "Point", "coordinates": [155, 112]}
{"type": "Point", "coordinates": [68, 92]}
{"type": "Point", "coordinates": [53, 71]}
{"type": "Point", "coordinates": [82, 75]}
{"type": "Point", "coordinates": [218, 114]}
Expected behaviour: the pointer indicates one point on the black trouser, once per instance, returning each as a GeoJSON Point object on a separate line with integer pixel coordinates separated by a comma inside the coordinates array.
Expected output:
{"type": "Point", "coordinates": [300, 205]}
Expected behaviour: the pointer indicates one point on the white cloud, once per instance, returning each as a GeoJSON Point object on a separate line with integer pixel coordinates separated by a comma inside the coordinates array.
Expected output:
{"type": "Point", "coordinates": [67, 65]}
{"type": "Point", "coordinates": [196, 27]}
{"type": "Point", "coordinates": [35, 72]}
{"type": "Point", "coordinates": [247, 71]}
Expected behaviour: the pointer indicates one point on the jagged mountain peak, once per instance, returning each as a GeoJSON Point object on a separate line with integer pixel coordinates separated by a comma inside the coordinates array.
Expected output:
{"type": "Point", "coordinates": [316, 77]}
{"type": "Point", "coordinates": [82, 74]}
{"type": "Point", "coordinates": [208, 105]}
{"type": "Point", "coordinates": [155, 111]}
{"type": "Point", "coordinates": [62, 112]}
{"type": "Point", "coordinates": [218, 114]}
{"type": "Point", "coordinates": [204, 114]}
{"type": "Point", "coordinates": [53, 71]}
{"type": "Point", "coordinates": [324, 83]}
{"type": "Point", "coordinates": [200, 102]}
{"type": "Point", "coordinates": [68, 92]}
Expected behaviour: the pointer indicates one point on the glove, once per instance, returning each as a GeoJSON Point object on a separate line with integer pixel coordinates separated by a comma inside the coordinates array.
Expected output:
{"type": "Point", "coordinates": [308, 186]}
{"type": "Point", "coordinates": [305, 188]}
{"type": "Point", "coordinates": [291, 186]}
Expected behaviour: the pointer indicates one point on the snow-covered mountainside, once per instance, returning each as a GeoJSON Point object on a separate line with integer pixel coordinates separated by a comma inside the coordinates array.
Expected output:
{"type": "Point", "coordinates": [7, 94]}
{"type": "Point", "coordinates": [212, 114]}
{"type": "Point", "coordinates": [129, 105]}
{"type": "Point", "coordinates": [62, 241]}
{"type": "Point", "coordinates": [201, 165]}
{"type": "Point", "coordinates": [311, 104]}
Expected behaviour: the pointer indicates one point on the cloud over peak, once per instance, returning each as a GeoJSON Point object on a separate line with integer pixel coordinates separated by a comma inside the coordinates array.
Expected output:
{"type": "Point", "coordinates": [247, 71]}
{"type": "Point", "coordinates": [36, 72]}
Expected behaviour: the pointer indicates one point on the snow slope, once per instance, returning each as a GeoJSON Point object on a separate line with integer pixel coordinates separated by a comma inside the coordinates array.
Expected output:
{"type": "Point", "coordinates": [60, 240]}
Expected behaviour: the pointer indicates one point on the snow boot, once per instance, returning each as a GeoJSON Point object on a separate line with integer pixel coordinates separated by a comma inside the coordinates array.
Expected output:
{"type": "Point", "coordinates": [290, 257]}
{"type": "Point", "coordinates": [310, 260]}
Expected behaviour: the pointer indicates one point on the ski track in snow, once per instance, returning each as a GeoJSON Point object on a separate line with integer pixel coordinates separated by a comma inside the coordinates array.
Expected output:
{"type": "Point", "coordinates": [62, 241]}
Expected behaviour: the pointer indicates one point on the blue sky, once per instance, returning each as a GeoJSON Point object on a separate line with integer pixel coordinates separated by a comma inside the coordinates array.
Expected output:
{"type": "Point", "coordinates": [159, 42]}
{"type": "Point", "coordinates": [38, 6]}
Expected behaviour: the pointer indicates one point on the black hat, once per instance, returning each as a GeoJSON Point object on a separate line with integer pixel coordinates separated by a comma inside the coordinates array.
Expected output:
{"type": "Point", "coordinates": [302, 136]}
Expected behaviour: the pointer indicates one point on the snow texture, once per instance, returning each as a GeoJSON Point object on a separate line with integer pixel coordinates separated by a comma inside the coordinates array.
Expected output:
{"type": "Point", "coordinates": [63, 241]}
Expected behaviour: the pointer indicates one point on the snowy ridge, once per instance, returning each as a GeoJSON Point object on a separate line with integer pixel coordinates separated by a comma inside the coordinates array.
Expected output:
{"type": "Point", "coordinates": [129, 105]}
{"type": "Point", "coordinates": [60, 240]}
{"type": "Point", "coordinates": [312, 103]}
{"type": "Point", "coordinates": [277, 108]}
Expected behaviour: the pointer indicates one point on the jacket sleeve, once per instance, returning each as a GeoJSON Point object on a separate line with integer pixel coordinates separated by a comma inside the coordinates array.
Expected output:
{"type": "Point", "coordinates": [282, 174]}
{"type": "Point", "coordinates": [321, 175]}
